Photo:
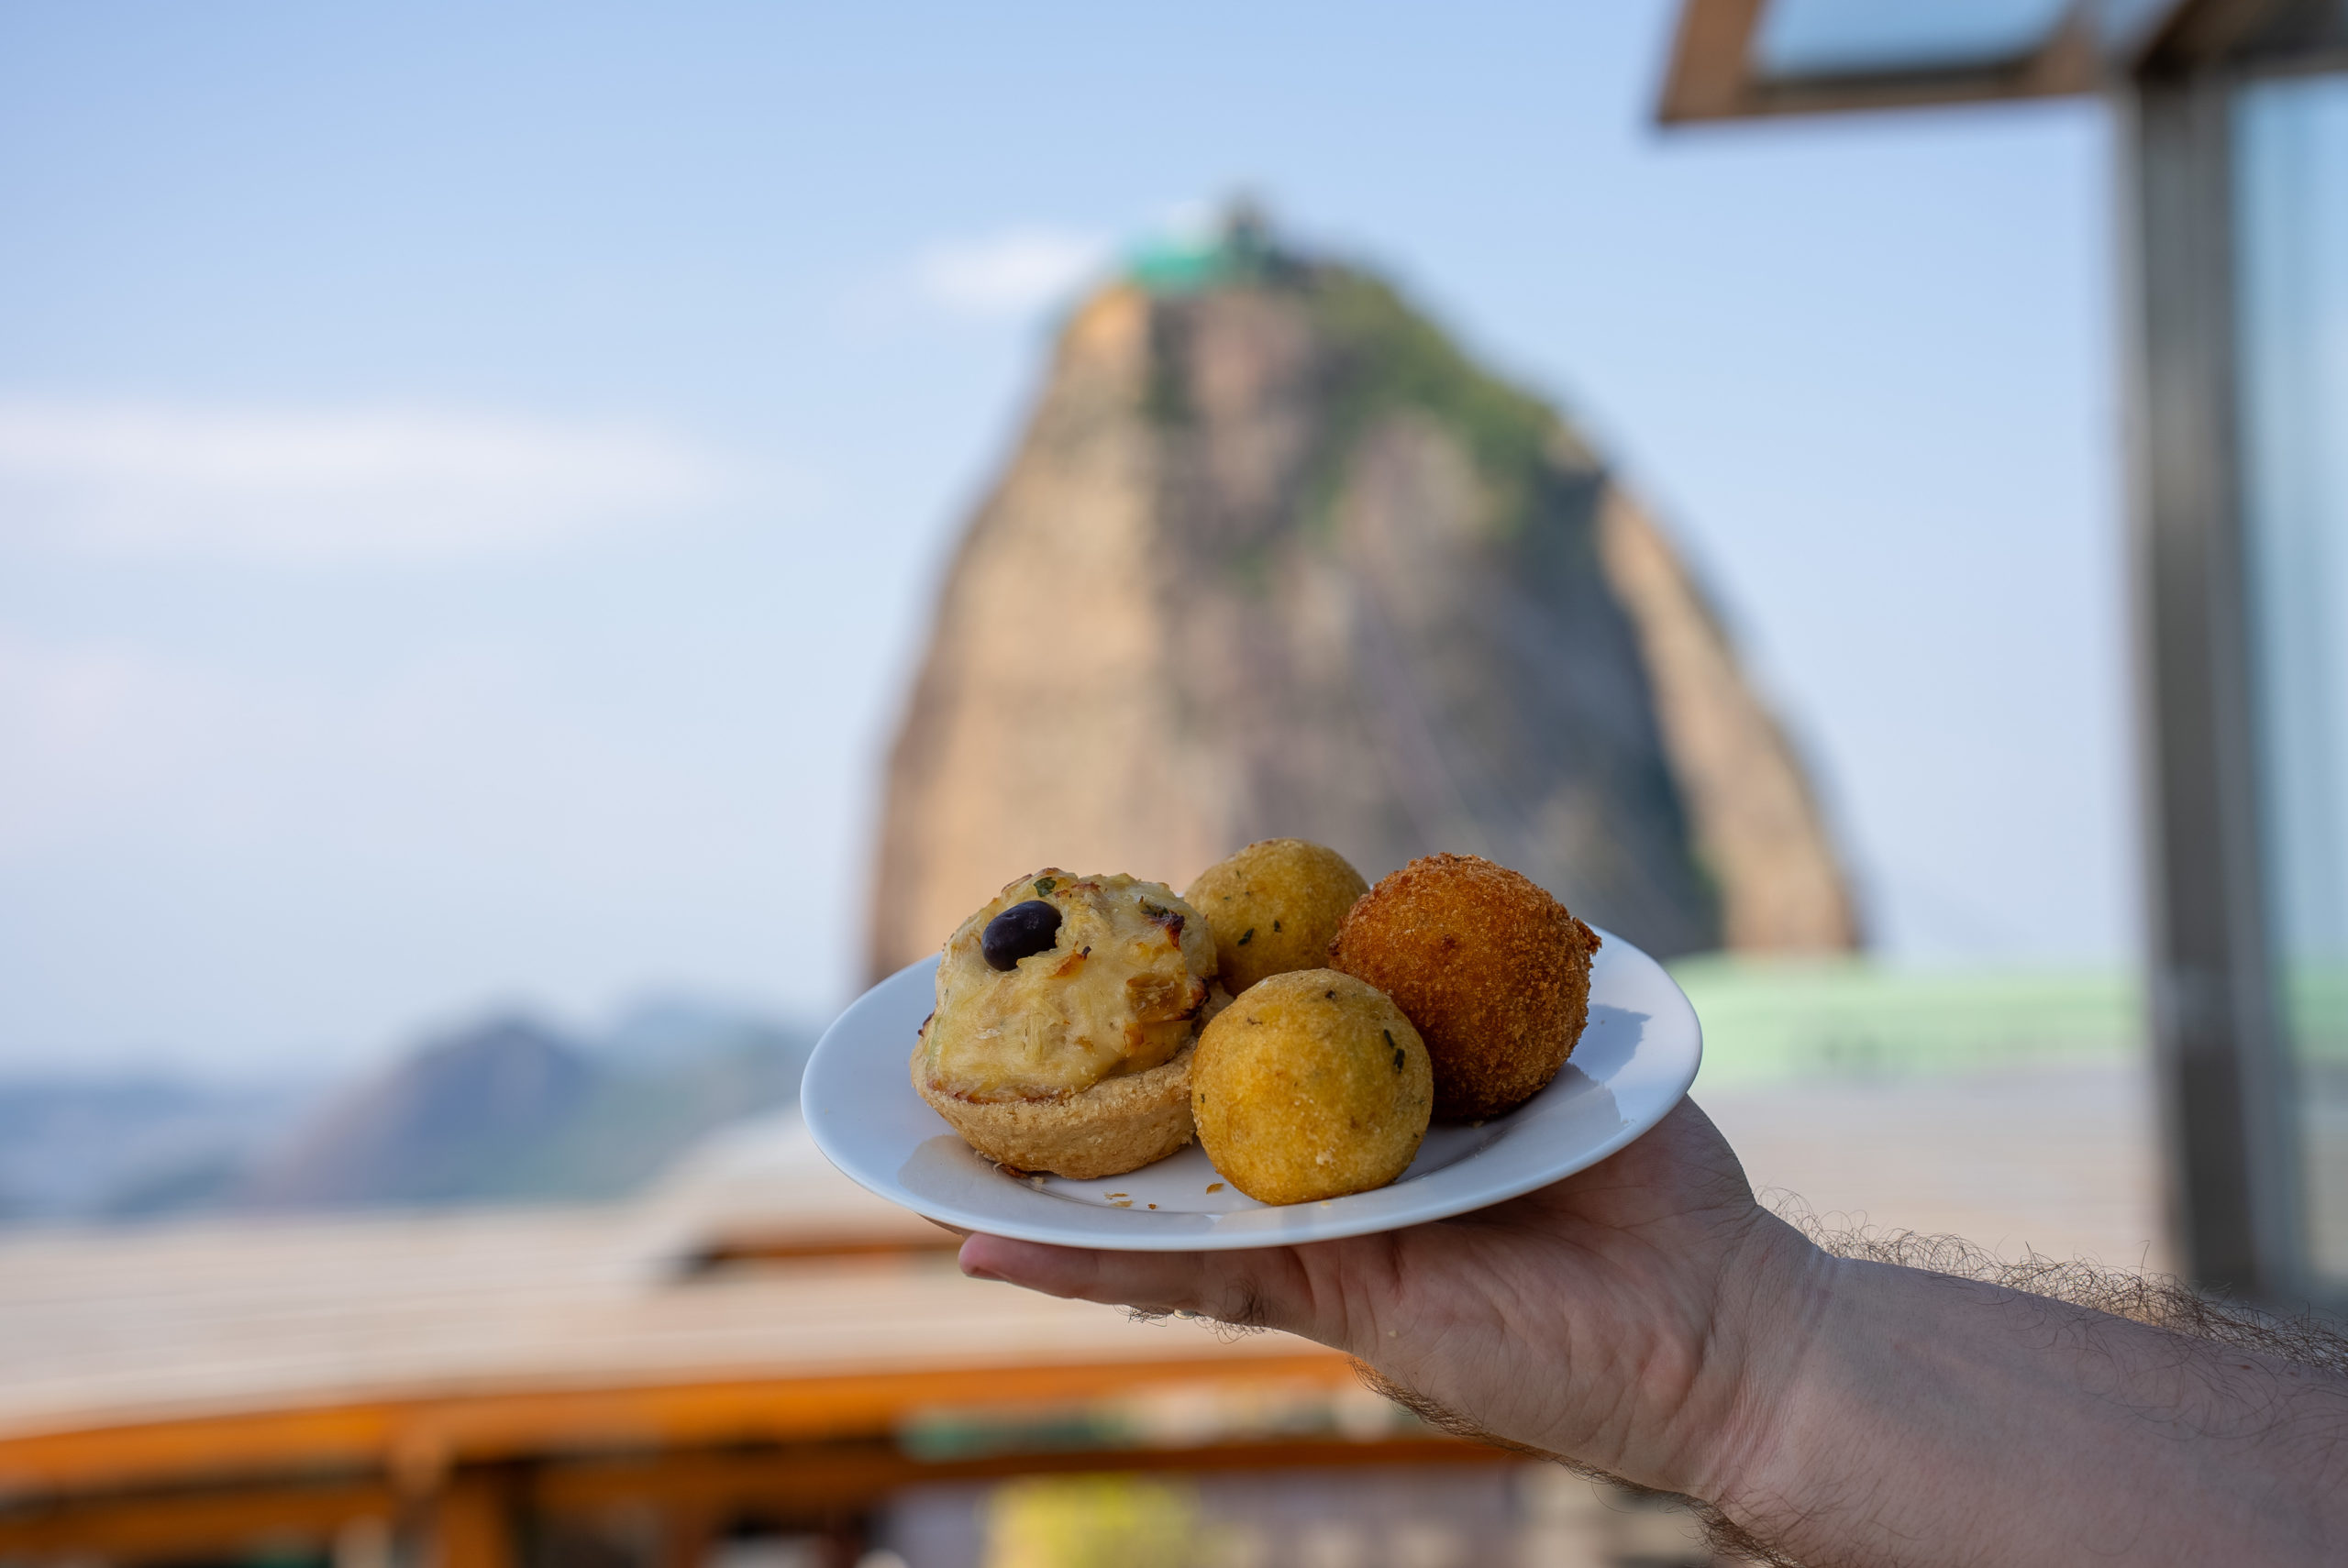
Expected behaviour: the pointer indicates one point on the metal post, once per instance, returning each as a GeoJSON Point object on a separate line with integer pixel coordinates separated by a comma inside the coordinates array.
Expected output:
{"type": "Point", "coordinates": [2233, 1197]}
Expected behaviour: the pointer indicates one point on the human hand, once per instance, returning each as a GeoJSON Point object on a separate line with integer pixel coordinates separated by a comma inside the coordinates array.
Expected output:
{"type": "Point", "coordinates": [1631, 1318]}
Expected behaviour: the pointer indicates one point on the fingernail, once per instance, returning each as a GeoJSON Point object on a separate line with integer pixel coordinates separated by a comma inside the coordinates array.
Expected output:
{"type": "Point", "coordinates": [983, 1273]}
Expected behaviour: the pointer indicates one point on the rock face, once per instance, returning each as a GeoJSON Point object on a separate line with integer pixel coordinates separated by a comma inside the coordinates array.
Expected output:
{"type": "Point", "coordinates": [1275, 558]}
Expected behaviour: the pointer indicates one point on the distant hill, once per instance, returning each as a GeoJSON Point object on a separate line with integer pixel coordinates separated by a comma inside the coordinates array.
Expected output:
{"type": "Point", "coordinates": [669, 1072]}
{"type": "Point", "coordinates": [1274, 556]}
{"type": "Point", "coordinates": [131, 1146]}
{"type": "Point", "coordinates": [508, 1108]}
{"type": "Point", "coordinates": [448, 1121]}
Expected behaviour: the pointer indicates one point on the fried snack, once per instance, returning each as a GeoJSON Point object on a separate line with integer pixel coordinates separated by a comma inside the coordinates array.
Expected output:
{"type": "Point", "coordinates": [1067, 1010]}
{"type": "Point", "coordinates": [1274, 906]}
{"type": "Point", "coordinates": [1494, 972]}
{"type": "Point", "coordinates": [1311, 1086]}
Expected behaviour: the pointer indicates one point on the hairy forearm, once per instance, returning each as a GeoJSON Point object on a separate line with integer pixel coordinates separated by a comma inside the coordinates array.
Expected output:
{"type": "Point", "coordinates": [1645, 1318]}
{"type": "Point", "coordinates": [1921, 1420]}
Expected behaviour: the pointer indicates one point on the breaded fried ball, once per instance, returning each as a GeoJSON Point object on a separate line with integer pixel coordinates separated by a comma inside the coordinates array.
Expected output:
{"type": "Point", "coordinates": [1494, 972]}
{"type": "Point", "coordinates": [1274, 906]}
{"type": "Point", "coordinates": [1313, 1085]}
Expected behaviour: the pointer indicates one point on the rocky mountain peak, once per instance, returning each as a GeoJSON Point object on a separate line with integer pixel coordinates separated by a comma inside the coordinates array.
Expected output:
{"type": "Point", "coordinates": [1275, 556]}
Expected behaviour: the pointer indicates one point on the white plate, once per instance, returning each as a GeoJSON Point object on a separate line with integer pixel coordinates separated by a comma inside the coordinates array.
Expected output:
{"type": "Point", "coordinates": [1634, 1060]}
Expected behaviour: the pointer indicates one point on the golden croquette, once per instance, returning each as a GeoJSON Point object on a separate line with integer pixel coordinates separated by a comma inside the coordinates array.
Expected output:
{"type": "Point", "coordinates": [1311, 1086]}
{"type": "Point", "coordinates": [1494, 971]}
{"type": "Point", "coordinates": [1274, 906]}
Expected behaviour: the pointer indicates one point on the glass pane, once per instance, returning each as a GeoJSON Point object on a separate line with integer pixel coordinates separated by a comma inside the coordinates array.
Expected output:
{"type": "Point", "coordinates": [1848, 38]}
{"type": "Point", "coordinates": [2292, 184]}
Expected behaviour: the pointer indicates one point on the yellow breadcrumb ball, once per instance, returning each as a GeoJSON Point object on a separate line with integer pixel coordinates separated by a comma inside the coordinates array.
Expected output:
{"type": "Point", "coordinates": [1311, 1086]}
{"type": "Point", "coordinates": [1274, 906]}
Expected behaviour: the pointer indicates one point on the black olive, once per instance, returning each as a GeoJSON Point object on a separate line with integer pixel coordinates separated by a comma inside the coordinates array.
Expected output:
{"type": "Point", "coordinates": [1019, 932]}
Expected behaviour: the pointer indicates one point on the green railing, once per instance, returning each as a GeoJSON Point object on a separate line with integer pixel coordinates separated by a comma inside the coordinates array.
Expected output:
{"type": "Point", "coordinates": [1772, 1020]}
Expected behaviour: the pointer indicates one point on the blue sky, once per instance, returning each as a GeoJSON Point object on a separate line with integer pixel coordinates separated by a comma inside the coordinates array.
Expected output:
{"type": "Point", "coordinates": [471, 481]}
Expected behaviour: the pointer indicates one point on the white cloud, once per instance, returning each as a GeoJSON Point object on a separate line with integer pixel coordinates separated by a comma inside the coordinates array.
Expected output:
{"type": "Point", "coordinates": [1008, 273]}
{"type": "Point", "coordinates": [309, 487]}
